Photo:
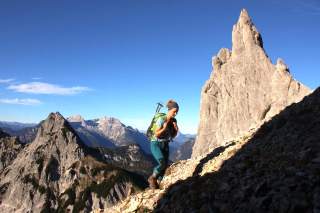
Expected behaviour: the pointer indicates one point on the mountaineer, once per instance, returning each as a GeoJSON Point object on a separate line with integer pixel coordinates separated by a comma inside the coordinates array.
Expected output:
{"type": "Point", "coordinates": [161, 131]}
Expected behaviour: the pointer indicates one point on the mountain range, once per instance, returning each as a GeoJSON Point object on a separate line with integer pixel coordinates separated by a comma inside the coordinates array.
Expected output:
{"type": "Point", "coordinates": [106, 132]}
{"type": "Point", "coordinates": [58, 172]}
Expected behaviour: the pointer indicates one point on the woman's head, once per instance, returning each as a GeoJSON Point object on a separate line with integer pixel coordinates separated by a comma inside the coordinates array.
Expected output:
{"type": "Point", "coordinates": [173, 108]}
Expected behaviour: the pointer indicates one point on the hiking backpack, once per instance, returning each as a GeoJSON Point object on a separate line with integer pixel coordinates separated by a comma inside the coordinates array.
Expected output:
{"type": "Point", "coordinates": [152, 127]}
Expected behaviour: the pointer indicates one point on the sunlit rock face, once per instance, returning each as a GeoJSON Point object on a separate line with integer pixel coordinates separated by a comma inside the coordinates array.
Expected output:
{"type": "Point", "coordinates": [9, 149]}
{"type": "Point", "coordinates": [244, 89]}
{"type": "Point", "coordinates": [108, 132]}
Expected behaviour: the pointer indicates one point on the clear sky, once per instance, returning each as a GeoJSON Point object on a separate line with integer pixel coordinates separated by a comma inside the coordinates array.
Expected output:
{"type": "Point", "coordinates": [118, 58]}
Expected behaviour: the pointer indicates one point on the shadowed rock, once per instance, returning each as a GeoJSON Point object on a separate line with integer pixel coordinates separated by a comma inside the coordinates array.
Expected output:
{"type": "Point", "coordinates": [277, 170]}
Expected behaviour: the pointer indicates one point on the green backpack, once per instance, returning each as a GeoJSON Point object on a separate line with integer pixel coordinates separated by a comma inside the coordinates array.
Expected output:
{"type": "Point", "coordinates": [152, 127]}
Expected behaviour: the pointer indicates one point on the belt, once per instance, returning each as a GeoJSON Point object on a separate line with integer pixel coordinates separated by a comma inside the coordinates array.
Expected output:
{"type": "Point", "coordinates": [163, 140]}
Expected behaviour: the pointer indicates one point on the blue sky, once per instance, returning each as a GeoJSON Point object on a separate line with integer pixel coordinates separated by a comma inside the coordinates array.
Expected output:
{"type": "Point", "coordinates": [119, 58]}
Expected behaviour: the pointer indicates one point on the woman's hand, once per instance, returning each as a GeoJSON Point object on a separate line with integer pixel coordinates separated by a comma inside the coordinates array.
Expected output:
{"type": "Point", "coordinates": [176, 129]}
{"type": "Point", "coordinates": [165, 124]}
{"type": "Point", "coordinates": [175, 125]}
{"type": "Point", "coordinates": [162, 129]}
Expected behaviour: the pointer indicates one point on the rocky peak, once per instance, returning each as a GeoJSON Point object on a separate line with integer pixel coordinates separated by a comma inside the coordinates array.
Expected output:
{"type": "Point", "coordinates": [107, 132]}
{"type": "Point", "coordinates": [244, 17]}
{"type": "Point", "coordinates": [244, 89]}
{"type": "Point", "coordinates": [245, 34]}
{"type": "Point", "coordinates": [53, 123]}
{"type": "Point", "coordinates": [56, 129]}
{"type": "Point", "coordinates": [57, 172]}
{"type": "Point", "coordinates": [76, 118]}
{"type": "Point", "coordinates": [244, 21]}
{"type": "Point", "coordinates": [109, 121]}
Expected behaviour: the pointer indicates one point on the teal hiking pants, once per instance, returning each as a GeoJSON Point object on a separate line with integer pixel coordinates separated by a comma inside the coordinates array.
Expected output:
{"type": "Point", "coordinates": [160, 151]}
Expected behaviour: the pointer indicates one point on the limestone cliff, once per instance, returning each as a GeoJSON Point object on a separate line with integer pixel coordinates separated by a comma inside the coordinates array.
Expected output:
{"type": "Point", "coordinates": [244, 89]}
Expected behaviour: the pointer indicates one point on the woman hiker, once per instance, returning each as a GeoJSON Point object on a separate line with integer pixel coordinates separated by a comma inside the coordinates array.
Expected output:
{"type": "Point", "coordinates": [165, 130]}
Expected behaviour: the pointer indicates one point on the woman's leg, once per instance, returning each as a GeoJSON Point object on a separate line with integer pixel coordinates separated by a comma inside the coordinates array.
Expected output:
{"type": "Point", "coordinates": [156, 150]}
{"type": "Point", "coordinates": [164, 160]}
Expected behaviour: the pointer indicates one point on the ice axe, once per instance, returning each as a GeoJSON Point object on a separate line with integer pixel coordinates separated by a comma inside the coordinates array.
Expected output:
{"type": "Point", "coordinates": [159, 106]}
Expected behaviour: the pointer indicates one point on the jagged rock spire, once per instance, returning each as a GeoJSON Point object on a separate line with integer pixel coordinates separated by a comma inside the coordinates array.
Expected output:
{"type": "Point", "coordinates": [245, 34]}
{"type": "Point", "coordinates": [244, 18]}
{"type": "Point", "coordinates": [244, 89]}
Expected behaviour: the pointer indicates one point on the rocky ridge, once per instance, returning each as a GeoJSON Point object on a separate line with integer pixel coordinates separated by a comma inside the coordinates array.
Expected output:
{"type": "Point", "coordinates": [147, 200]}
{"type": "Point", "coordinates": [9, 149]}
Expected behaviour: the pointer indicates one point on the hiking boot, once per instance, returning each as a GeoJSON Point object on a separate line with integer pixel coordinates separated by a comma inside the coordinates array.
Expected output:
{"type": "Point", "coordinates": [153, 182]}
{"type": "Point", "coordinates": [159, 184]}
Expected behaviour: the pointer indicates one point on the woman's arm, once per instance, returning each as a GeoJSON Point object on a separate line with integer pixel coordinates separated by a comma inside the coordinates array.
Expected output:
{"type": "Point", "coordinates": [162, 129]}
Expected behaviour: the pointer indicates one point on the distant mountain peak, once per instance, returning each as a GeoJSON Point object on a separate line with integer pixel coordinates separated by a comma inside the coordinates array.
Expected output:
{"type": "Point", "coordinates": [75, 118]}
{"type": "Point", "coordinates": [107, 132]}
{"type": "Point", "coordinates": [111, 120]}
{"type": "Point", "coordinates": [55, 117]}
{"type": "Point", "coordinates": [54, 122]}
